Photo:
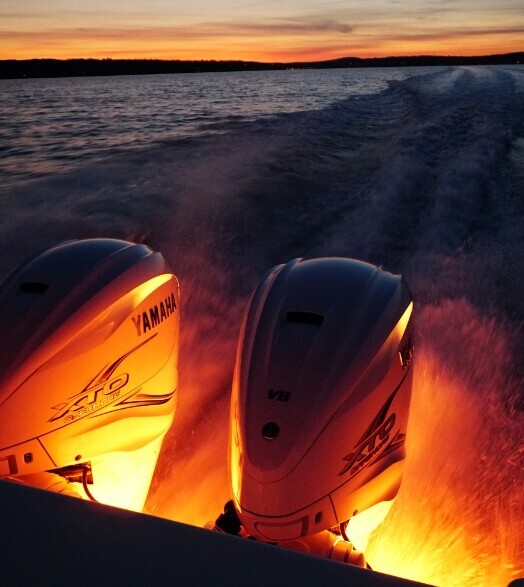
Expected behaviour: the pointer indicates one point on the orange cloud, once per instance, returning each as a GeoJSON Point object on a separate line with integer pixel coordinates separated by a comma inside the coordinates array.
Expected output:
{"type": "Point", "coordinates": [308, 38]}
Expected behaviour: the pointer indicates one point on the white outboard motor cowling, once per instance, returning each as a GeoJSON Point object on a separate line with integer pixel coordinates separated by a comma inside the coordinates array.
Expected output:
{"type": "Point", "coordinates": [88, 369]}
{"type": "Point", "coordinates": [320, 398]}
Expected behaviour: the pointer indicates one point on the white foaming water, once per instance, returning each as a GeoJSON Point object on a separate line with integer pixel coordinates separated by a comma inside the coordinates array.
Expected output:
{"type": "Point", "coordinates": [423, 174]}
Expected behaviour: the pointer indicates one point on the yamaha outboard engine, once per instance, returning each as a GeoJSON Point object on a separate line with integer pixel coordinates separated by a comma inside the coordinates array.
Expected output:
{"type": "Point", "coordinates": [320, 403]}
{"type": "Point", "coordinates": [88, 369]}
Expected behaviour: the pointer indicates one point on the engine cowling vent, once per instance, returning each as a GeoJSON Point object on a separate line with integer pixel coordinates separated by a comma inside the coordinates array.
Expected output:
{"type": "Point", "coordinates": [33, 287]}
{"type": "Point", "coordinates": [300, 317]}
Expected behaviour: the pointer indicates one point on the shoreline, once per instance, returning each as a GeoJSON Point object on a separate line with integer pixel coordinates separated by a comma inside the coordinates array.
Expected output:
{"type": "Point", "coordinates": [50, 68]}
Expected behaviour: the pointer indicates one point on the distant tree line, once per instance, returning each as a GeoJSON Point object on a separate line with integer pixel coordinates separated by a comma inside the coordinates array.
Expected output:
{"type": "Point", "coordinates": [31, 68]}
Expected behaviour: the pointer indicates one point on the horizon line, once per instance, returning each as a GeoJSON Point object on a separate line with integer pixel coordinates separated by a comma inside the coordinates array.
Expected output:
{"type": "Point", "coordinates": [240, 60]}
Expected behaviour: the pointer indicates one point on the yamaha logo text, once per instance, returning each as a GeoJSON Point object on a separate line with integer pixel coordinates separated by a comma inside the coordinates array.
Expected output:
{"type": "Point", "coordinates": [156, 314]}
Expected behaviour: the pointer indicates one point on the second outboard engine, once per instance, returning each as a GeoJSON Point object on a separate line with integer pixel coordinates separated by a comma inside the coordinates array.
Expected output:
{"type": "Point", "coordinates": [320, 403]}
{"type": "Point", "coordinates": [88, 369]}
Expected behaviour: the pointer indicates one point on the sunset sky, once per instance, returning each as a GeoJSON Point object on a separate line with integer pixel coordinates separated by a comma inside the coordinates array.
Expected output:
{"type": "Point", "coordinates": [262, 30]}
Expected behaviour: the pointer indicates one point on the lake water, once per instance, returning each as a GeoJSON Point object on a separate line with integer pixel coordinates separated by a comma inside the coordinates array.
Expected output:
{"type": "Point", "coordinates": [420, 170]}
{"type": "Point", "coordinates": [49, 125]}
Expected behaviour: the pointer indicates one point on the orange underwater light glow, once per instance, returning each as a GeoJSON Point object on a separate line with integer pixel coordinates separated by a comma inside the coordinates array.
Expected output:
{"type": "Point", "coordinates": [459, 516]}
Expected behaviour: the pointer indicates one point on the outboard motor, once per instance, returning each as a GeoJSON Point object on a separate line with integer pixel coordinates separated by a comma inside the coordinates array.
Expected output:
{"type": "Point", "coordinates": [320, 404]}
{"type": "Point", "coordinates": [88, 369]}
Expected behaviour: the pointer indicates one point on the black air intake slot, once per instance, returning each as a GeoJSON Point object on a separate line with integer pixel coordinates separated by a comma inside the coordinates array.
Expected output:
{"type": "Point", "coordinates": [34, 287]}
{"type": "Point", "coordinates": [298, 317]}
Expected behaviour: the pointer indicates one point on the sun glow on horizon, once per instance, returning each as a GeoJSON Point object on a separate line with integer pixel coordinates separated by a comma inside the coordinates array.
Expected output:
{"type": "Point", "coordinates": [127, 50]}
